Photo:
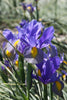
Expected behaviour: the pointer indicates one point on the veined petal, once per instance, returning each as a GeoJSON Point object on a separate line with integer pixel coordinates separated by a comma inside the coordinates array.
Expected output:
{"type": "Point", "coordinates": [47, 35]}
{"type": "Point", "coordinates": [8, 34]}
{"type": "Point", "coordinates": [30, 58]}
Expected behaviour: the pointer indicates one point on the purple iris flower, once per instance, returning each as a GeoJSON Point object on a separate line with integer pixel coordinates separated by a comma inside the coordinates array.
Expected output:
{"type": "Point", "coordinates": [57, 87]}
{"type": "Point", "coordinates": [30, 8]}
{"type": "Point", "coordinates": [7, 47]}
{"type": "Point", "coordinates": [47, 69]}
{"type": "Point", "coordinates": [46, 37]}
{"type": "Point", "coordinates": [30, 34]}
{"type": "Point", "coordinates": [47, 74]}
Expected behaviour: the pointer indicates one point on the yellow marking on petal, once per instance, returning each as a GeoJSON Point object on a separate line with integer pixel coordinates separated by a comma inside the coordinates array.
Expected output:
{"type": "Point", "coordinates": [64, 76]}
{"type": "Point", "coordinates": [49, 46]}
{"type": "Point", "coordinates": [8, 53]}
{"type": "Point", "coordinates": [39, 73]}
{"type": "Point", "coordinates": [29, 8]}
{"type": "Point", "coordinates": [34, 52]}
{"type": "Point", "coordinates": [58, 85]}
{"type": "Point", "coordinates": [16, 43]}
{"type": "Point", "coordinates": [16, 62]}
{"type": "Point", "coordinates": [65, 62]}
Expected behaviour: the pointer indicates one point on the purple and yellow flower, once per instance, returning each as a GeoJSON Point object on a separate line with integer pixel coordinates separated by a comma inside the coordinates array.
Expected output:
{"type": "Point", "coordinates": [46, 73]}
{"type": "Point", "coordinates": [46, 70]}
{"type": "Point", "coordinates": [57, 87]}
{"type": "Point", "coordinates": [30, 8]}
{"type": "Point", "coordinates": [32, 34]}
{"type": "Point", "coordinates": [9, 47]}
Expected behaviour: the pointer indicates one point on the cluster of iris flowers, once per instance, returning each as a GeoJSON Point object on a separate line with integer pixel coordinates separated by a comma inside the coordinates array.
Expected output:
{"type": "Point", "coordinates": [33, 42]}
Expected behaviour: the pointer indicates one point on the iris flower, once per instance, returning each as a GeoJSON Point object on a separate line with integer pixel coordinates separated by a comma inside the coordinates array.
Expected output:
{"type": "Point", "coordinates": [46, 69]}
{"type": "Point", "coordinates": [57, 87]}
{"type": "Point", "coordinates": [8, 48]}
{"type": "Point", "coordinates": [46, 73]}
{"type": "Point", "coordinates": [32, 35]}
{"type": "Point", "coordinates": [30, 40]}
{"type": "Point", "coordinates": [30, 8]}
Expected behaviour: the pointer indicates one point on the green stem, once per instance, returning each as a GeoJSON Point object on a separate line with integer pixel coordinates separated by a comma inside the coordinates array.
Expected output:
{"type": "Point", "coordinates": [45, 92]}
{"type": "Point", "coordinates": [51, 92]}
{"type": "Point", "coordinates": [37, 12]}
{"type": "Point", "coordinates": [24, 14]}
{"type": "Point", "coordinates": [55, 9]}
{"type": "Point", "coordinates": [28, 94]}
{"type": "Point", "coordinates": [21, 68]}
{"type": "Point", "coordinates": [31, 15]}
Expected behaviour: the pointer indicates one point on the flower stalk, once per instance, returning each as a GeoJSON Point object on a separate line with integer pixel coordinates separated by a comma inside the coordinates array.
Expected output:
{"type": "Point", "coordinates": [45, 92]}
{"type": "Point", "coordinates": [51, 92]}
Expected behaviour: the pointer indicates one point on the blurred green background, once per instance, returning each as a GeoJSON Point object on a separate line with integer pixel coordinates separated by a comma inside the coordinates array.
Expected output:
{"type": "Point", "coordinates": [49, 10]}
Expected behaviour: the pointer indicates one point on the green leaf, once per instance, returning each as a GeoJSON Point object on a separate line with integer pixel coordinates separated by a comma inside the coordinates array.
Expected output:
{"type": "Point", "coordinates": [21, 68]}
{"type": "Point", "coordinates": [29, 78]}
{"type": "Point", "coordinates": [1, 58]}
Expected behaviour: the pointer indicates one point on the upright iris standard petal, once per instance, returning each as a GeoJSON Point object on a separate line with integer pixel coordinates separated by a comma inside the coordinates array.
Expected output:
{"type": "Point", "coordinates": [47, 36]}
{"type": "Point", "coordinates": [34, 29]}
